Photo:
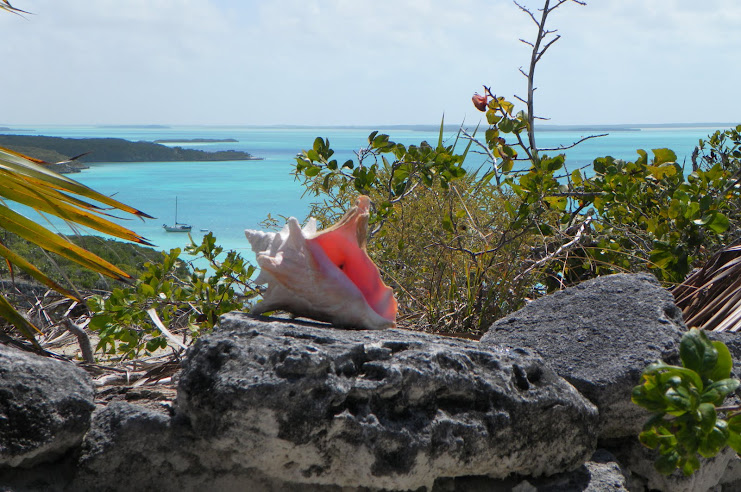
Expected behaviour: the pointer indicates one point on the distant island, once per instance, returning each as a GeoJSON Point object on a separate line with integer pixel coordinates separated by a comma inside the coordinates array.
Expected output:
{"type": "Point", "coordinates": [196, 140]}
{"type": "Point", "coordinates": [135, 126]}
{"type": "Point", "coordinates": [8, 129]}
{"type": "Point", "coordinates": [57, 149]}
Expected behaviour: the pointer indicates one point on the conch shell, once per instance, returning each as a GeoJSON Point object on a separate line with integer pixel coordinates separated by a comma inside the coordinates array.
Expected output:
{"type": "Point", "coordinates": [327, 275]}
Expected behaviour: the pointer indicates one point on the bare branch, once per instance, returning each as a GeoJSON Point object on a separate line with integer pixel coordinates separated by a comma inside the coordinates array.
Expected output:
{"type": "Point", "coordinates": [528, 12]}
{"type": "Point", "coordinates": [562, 249]}
{"type": "Point", "coordinates": [564, 147]}
{"type": "Point", "coordinates": [560, 2]}
{"type": "Point", "coordinates": [488, 153]}
{"type": "Point", "coordinates": [548, 45]}
{"type": "Point", "coordinates": [82, 339]}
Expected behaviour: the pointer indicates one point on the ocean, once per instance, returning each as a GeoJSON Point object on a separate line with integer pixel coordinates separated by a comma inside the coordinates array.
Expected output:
{"type": "Point", "coordinates": [228, 197]}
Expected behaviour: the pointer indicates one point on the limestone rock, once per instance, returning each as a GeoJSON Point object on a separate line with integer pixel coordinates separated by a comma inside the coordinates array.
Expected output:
{"type": "Point", "coordinates": [599, 336]}
{"type": "Point", "coordinates": [394, 409]}
{"type": "Point", "coordinates": [45, 407]}
{"type": "Point", "coordinates": [131, 447]}
{"type": "Point", "coordinates": [602, 472]}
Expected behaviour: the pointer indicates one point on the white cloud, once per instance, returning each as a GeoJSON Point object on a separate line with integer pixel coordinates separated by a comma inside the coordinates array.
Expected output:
{"type": "Point", "coordinates": [362, 61]}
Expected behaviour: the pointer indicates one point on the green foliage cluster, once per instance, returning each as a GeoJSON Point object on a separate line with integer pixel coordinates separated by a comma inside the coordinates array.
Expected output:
{"type": "Point", "coordinates": [464, 248]}
{"type": "Point", "coordinates": [647, 215]}
{"type": "Point", "coordinates": [187, 305]}
{"type": "Point", "coordinates": [439, 233]}
{"type": "Point", "coordinates": [686, 401]}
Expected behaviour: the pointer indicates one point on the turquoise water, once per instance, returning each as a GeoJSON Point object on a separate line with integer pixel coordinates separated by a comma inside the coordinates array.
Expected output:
{"type": "Point", "coordinates": [228, 197]}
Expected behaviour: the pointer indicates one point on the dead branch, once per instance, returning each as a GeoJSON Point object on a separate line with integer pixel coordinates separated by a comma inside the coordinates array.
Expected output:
{"type": "Point", "coordinates": [82, 339]}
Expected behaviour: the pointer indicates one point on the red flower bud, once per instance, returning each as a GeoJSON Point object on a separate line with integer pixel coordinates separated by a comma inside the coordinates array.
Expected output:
{"type": "Point", "coordinates": [479, 101]}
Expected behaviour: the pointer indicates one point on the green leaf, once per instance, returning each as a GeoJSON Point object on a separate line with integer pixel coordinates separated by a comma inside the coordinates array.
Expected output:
{"type": "Point", "coordinates": [660, 172]}
{"type": "Point", "coordinates": [667, 463]}
{"type": "Point", "coordinates": [717, 391]}
{"type": "Point", "coordinates": [690, 465]}
{"type": "Point", "coordinates": [312, 171]}
{"type": "Point", "coordinates": [492, 117]}
{"type": "Point", "coordinates": [714, 441]}
{"type": "Point", "coordinates": [697, 353]}
{"type": "Point", "coordinates": [734, 424]}
{"type": "Point", "coordinates": [557, 202]}
{"type": "Point", "coordinates": [663, 155]}
{"type": "Point", "coordinates": [492, 136]}
{"type": "Point", "coordinates": [724, 363]}
{"type": "Point", "coordinates": [506, 125]}
{"type": "Point", "coordinates": [447, 223]}
{"type": "Point", "coordinates": [644, 157]}
{"type": "Point", "coordinates": [440, 135]}
{"type": "Point", "coordinates": [662, 258]}
{"type": "Point", "coordinates": [715, 221]}
{"type": "Point", "coordinates": [320, 146]}
{"type": "Point", "coordinates": [734, 440]}
{"type": "Point", "coordinates": [552, 164]}
{"type": "Point", "coordinates": [707, 416]}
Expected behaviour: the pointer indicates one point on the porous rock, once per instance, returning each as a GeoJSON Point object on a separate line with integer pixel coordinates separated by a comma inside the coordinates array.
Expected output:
{"type": "Point", "coordinates": [600, 335]}
{"type": "Point", "coordinates": [45, 407]}
{"type": "Point", "coordinates": [131, 447]}
{"type": "Point", "coordinates": [601, 473]}
{"type": "Point", "coordinates": [392, 409]}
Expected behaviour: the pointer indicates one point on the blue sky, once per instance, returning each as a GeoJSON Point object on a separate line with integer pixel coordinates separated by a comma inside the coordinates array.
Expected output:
{"type": "Point", "coordinates": [363, 62]}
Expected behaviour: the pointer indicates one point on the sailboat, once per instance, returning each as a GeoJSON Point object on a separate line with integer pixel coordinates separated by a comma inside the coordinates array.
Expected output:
{"type": "Point", "coordinates": [177, 227]}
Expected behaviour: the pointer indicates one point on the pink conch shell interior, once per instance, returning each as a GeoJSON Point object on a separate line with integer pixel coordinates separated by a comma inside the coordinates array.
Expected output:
{"type": "Point", "coordinates": [344, 244]}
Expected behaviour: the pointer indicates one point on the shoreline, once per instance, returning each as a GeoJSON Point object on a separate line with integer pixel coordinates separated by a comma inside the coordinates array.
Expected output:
{"type": "Point", "coordinates": [195, 140]}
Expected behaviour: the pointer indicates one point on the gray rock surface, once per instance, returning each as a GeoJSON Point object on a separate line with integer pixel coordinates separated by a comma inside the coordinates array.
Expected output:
{"type": "Point", "coordinates": [391, 409]}
{"type": "Point", "coordinates": [130, 447]}
{"type": "Point", "coordinates": [601, 473]}
{"type": "Point", "coordinates": [599, 336]}
{"type": "Point", "coordinates": [45, 407]}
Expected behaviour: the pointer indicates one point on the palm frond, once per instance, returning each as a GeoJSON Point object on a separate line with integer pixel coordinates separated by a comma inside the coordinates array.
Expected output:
{"type": "Point", "coordinates": [710, 298]}
{"type": "Point", "coordinates": [5, 5]}
{"type": "Point", "coordinates": [28, 182]}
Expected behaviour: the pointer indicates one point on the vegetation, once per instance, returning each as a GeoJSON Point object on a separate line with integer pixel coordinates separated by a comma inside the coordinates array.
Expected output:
{"type": "Point", "coordinates": [162, 302]}
{"type": "Point", "coordinates": [463, 248]}
{"type": "Point", "coordinates": [688, 417]}
{"type": "Point", "coordinates": [55, 149]}
{"type": "Point", "coordinates": [29, 183]}
{"type": "Point", "coordinates": [128, 257]}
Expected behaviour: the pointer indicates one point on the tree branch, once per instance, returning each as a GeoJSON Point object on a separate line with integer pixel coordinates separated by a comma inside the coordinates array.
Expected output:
{"type": "Point", "coordinates": [563, 248]}
{"type": "Point", "coordinates": [564, 147]}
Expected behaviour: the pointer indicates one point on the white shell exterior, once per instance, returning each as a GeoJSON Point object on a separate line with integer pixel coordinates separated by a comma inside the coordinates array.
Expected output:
{"type": "Point", "coordinates": [302, 280]}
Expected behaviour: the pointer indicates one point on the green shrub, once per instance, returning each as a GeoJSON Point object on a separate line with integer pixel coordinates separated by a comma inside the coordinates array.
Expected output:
{"type": "Point", "coordinates": [688, 417]}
